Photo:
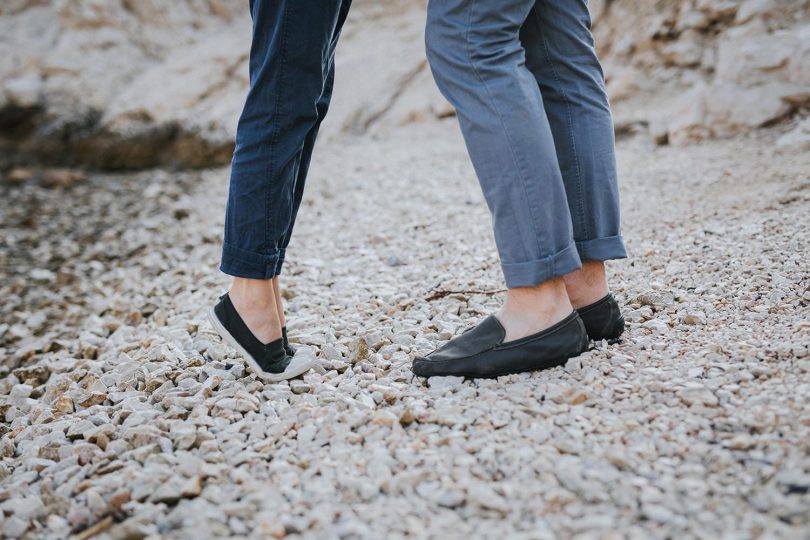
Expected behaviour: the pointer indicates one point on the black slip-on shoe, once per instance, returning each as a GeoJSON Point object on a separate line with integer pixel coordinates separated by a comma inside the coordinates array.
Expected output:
{"type": "Point", "coordinates": [481, 351]}
{"type": "Point", "coordinates": [268, 361]}
{"type": "Point", "coordinates": [603, 319]}
{"type": "Point", "coordinates": [289, 349]}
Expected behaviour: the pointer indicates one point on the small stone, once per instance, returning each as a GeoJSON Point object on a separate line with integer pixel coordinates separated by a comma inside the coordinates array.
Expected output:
{"type": "Point", "coordinates": [656, 512]}
{"type": "Point", "coordinates": [270, 527]}
{"type": "Point", "coordinates": [407, 417]}
{"type": "Point", "coordinates": [18, 175]}
{"type": "Point", "coordinates": [699, 394]}
{"type": "Point", "coordinates": [619, 457]}
{"type": "Point", "coordinates": [14, 527]}
{"type": "Point", "coordinates": [445, 382]}
{"type": "Point", "coordinates": [573, 395]}
{"type": "Point", "coordinates": [330, 352]}
{"type": "Point", "coordinates": [299, 387]}
{"type": "Point", "coordinates": [450, 498]}
{"type": "Point", "coordinates": [656, 326]}
{"type": "Point", "coordinates": [37, 374]}
{"type": "Point", "coordinates": [693, 318]}
{"type": "Point", "coordinates": [650, 299]}
{"type": "Point", "coordinates": [95, 502]}
{"type": "Point", "coordinates": [384, 418]}
{"type": "Point", "coordinates": [486, 497]}
{"type": "Point", "coordinates": [394, 260]}
{"type": "Point", "coordinates": [192, 488]}
{"type": "Point", "coordinates": [358, 351]}
{"type": "Point", "coordinates": [741, 442]}
{"type": "Point", "coordinates": [118, 499]}
{"type": "Point", "coordinates": [176, 488]}
{"type": "Point", "coordinates": [62, 177]}
{"type": "Point", "coordinates": [20, 391]}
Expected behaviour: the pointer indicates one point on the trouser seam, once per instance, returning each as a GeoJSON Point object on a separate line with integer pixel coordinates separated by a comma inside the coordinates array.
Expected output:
{"type": "Point", "coordinates": [580, 195]}
{"type": "Point", "coordinates": [271, 165]}
{"type": "Point", "coordinates": [505, 131]}
{"type": "Point", "coordinates": [327, 89]}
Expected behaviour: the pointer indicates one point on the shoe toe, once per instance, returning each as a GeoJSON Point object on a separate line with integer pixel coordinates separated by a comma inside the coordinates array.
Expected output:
{"type": "Point", "coordinates": [422, 366]}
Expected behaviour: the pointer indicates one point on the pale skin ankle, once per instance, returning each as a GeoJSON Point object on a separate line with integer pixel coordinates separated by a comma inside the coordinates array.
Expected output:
{"type": "Point", "coordinates": [529, 310]}
{"type": "Point", "coordinates": [586, 285]}
{"type": "Point", "coordinates": [279, 300]}
{"type": "Point", "coordinates": [255, 301]}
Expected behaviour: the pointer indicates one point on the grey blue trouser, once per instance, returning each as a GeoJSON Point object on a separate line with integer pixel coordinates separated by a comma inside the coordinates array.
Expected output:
{"type": "Point", "coordinates": [530, 97]}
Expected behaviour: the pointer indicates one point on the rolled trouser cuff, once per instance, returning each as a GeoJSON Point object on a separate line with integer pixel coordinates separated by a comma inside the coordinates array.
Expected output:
{"type": "Point", "coordinates": [280, 262]}
{"type": "Point", "coordinates": [602, 249]}
{"type": "Point", "coordinates": [529, 274]}
{"type": "Point", "coordinates": [249, 264]}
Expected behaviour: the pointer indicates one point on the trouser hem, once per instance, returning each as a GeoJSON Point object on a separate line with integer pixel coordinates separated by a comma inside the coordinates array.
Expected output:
{"type": "Point", "coordinates": [249, 264]}
{"type": "Point", "coordinates": [529, 274]}
{"type": "Point", "coordinates": [281, 254]}
{"type": "Point", "coordinates": [602, 249]}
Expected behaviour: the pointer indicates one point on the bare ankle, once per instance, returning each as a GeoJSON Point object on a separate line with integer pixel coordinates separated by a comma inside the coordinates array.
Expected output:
{"type": "Point", "coordinates": [254, 301]}
{"type": "Point", "coordinates": [586, 285]}
{"type": "Point", "coordinates": [252, 294]}
{"type": "Point", "coordinates": [279, 300]}
{"type": "Point", "coordinates": [530, 310]}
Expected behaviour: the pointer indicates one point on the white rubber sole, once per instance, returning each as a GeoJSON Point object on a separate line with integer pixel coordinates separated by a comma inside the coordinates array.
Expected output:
{"type": "Point", "coordinates": [300, 364]}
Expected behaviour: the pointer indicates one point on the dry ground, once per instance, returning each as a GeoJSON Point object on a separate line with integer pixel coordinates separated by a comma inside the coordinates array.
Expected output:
{"type": "Point", "coordinates": [123, 410]}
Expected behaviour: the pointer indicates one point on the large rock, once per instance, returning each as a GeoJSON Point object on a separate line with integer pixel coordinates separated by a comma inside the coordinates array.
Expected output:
{"type": "Point", "coordinates": [125, 84]}
{"type": "Point", "coordinates": [63, 92]}
{"type": "Point", "coordinates": [748, 60]}
{"type": "Point", "coordinates": [731, 65]}
{"type": "Point", "coordinates": [732, 109]}
{"type": "Point", "coordinates": [796, 140]}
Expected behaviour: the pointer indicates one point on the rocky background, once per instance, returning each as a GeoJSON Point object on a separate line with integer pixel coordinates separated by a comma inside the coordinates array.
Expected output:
{"type": "Point", "coordinates": [124, 84]}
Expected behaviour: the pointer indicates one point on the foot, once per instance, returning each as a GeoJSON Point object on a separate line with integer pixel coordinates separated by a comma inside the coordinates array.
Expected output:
{"type": "Point", "coordinates": [255, 302]}
{"type": "Point", "coordinates": [535, 329]}
{"type": "Point", "coordinates": [268, 361]}
{"type": "Point", "coordinates": [251, 326]}
{"type": "Point", "coordinates": [528, 310]}
{"type": "Point", "coordinates": [280, 311]}
{"type": "Point", "coordinates": [484, 352]}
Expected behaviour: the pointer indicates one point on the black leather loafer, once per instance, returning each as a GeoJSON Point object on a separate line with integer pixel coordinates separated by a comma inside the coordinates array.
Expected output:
{"type": "Point", "coordinates": [268, 361]}
{"type": "Point", "coordinates": [481, 351]}
{"type": "Point", "coordinates": [603, 319]}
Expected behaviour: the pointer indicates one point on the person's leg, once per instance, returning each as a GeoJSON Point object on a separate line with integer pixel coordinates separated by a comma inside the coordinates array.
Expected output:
{"type": "Point", "coordinates": [279, 300]}
{"type": "Point", "coordinates": [560, 54]}
{"type": "Point", "coordinates": [304, 159]}
{"type": "Point", "coordinates": [586, 285]}
{"type": "Point", "coordinates": [290, 61]}
{"type": "Point", "coordinates": [527, 310]}
{"type": "Point", "coordinates": [282, 319]}
{"type": "Point", "coordinates": [322, 107]}
{"type": "Point", "coordinates": [478, 63]}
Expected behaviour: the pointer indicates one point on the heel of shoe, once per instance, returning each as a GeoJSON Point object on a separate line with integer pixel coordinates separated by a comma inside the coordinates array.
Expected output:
{"type": "Point", "coordinates": [617, 329]}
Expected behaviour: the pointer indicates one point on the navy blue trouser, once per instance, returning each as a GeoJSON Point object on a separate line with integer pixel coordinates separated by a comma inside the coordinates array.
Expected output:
{"type": "Point", "coordinates": [292, 71]}
{"type": "Point", "coordinates": [530, 96]}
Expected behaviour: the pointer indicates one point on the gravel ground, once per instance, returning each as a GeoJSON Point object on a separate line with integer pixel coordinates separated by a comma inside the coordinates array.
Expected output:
{"type": "Point", "coordinates": [126, 417]}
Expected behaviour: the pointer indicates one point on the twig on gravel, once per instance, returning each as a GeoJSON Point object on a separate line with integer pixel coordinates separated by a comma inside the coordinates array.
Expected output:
{"type": "Point", "coordinates": [442, 293]}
